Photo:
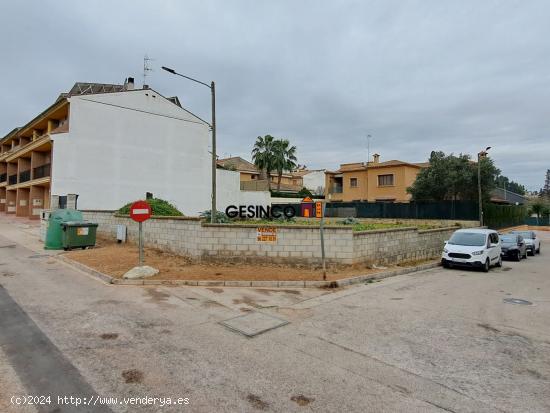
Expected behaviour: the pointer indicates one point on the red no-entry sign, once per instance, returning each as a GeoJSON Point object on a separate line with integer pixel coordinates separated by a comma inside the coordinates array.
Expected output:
{"type": "Point", "coordinates": [140, 211]}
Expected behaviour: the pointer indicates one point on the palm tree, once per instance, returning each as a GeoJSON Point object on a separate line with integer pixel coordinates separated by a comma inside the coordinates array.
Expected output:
{"type": "Point", "coordinates": [284, 158]}
{"type": "Point", "coordinates": [262, 155]}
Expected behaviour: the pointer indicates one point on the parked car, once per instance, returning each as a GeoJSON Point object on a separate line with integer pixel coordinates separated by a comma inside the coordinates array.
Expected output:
{"type": "Point", "coordinates": [531, 241]}
{"type": "Point", "coordinates": [474, 248]}
{"type": "Point", "coordinates": [513, 246]}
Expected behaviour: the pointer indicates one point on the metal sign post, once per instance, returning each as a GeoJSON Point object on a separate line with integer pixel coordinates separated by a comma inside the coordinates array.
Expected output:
{"type": "Point", "coordinates": [140, 211]}
{"type": "Point", "coordinates": [321, 207]}
{"type": "Point", "coordinates": [141, 244]}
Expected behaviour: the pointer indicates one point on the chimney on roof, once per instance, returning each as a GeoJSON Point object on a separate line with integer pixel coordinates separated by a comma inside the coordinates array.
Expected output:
{"type": "Point", "coordinates": [376, 158]}
{"type": "Point", "coordinates": [129, 84]}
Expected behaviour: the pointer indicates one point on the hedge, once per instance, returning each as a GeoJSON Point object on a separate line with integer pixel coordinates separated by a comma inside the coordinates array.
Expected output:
{"type": "Point", "coordinates": [159, 207]}
{"type": "Point", "coordinates": [500, 216]}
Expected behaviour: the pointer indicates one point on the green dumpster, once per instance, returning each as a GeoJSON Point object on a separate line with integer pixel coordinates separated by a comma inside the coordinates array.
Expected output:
{"type": "Point", "coordinates": [78, 234]}
{"type": "Point", "coordinates": [54, 233]}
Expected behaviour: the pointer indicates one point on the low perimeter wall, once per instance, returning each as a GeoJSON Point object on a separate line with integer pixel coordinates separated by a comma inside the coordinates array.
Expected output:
{"type": "Point", "coordinates": [294, 244]}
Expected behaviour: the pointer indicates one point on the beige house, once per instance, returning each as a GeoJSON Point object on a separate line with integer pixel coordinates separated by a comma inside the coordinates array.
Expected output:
{"type": "Point", "coordinates": [251, 176]}
{"type": "Point", "coordinates": [373, 182]}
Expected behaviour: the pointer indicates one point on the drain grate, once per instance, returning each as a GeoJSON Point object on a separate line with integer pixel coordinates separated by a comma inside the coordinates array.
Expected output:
{"type": "Point", "coordinates": [518, 301]}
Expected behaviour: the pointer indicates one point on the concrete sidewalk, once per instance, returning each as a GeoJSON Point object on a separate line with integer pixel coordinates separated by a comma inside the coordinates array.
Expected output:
{"type": "Point", "coordinates": [24, 232]}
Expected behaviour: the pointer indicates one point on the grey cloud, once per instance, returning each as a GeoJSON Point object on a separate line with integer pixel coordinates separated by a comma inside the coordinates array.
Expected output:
{"type": "Point", "coordinates": [417, 75]}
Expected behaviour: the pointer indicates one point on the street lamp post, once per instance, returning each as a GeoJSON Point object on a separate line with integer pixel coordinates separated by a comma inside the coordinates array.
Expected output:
{"type": "Point", "coordinates": [212, 87]}
{"type": "Point", "coordinates": [367, 166]}
{"type": "Point", "coordinates": [480, 155]}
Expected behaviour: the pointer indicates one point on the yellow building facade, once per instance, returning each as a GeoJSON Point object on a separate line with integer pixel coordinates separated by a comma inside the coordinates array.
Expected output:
{"type": "Point", "coordinates": [373, 182]}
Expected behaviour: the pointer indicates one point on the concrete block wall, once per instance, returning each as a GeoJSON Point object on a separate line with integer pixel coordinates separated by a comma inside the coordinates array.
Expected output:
{"type": "Point", "coordinates": [394, 246]}
{"type": "Point", "coordinates": [294, 245]}
{"type": "Point", "coordinates": [219, 242]}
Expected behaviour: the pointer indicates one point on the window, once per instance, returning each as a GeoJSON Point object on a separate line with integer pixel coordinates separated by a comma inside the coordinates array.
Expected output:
{"type": "Point", "coordinates": [353, 182]}
{"type": "Point", "coordinates": [385, 180]}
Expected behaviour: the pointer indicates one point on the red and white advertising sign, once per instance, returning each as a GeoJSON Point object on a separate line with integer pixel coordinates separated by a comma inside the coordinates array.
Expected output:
{"type": "Point", "coordinates": [140, 211]}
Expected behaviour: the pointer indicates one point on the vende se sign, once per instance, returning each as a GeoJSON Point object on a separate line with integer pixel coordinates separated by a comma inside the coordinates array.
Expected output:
{"type": "Point", "coordinates": [266, 234]}
{"type": "Point", "coordinates": [140, 211]}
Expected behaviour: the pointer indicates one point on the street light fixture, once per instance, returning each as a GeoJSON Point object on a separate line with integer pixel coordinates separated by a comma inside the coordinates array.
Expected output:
{"type": "Point", "coordinates": [480, 155]}
{"type": "Point", "coordinates": [212, 87]}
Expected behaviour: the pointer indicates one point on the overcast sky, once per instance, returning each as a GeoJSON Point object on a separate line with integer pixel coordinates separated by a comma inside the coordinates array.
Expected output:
{"type": "Point", "coordinates": [418, 76]}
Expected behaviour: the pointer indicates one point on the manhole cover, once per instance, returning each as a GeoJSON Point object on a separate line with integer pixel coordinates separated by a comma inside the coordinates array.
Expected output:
{"type": "Point", "coordinates": [517, 301]}
{"type": "Point", "coordinates": [253, 324]}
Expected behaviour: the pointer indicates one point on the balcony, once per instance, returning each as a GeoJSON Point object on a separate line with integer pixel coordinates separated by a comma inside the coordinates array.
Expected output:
{"type": "Point", "coordinates": [12, 180]}
{"type": "Point", "coordinates": [25, 176]}
{"type": "Point", "coordinates": [3, 177]}
{"type": "Point", "coordinates": [41, 171]}
{"type": "Point", "coordinates": [336, 189]}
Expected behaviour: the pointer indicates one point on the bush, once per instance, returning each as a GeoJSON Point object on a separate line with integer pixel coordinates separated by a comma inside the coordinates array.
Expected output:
{"type": "Point", "coordinates": [220, 218]}
{"type": "Point", "coordinates": [304, 192]}
{"type": "Point", "coordinates": [159, 207]}
{"type": "Point", "coordinates": [350, 221]}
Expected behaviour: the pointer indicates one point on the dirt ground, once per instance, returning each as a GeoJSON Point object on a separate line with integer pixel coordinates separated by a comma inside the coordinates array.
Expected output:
{"type": "Point", "coordinates": [116, 259]}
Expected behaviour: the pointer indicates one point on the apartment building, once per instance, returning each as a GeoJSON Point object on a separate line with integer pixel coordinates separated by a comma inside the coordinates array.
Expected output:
{"type": "Point", "coordinates": [374, 181]}
{"type": "Point", "coordinates": [110, 144]}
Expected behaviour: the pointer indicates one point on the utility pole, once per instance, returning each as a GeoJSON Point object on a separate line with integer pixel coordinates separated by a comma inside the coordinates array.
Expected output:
{"type": "Point", "coordinates": [480, 155]}
{"type": "Point", "coordinates": [214, 159]}
{"type": "Point", "coordinates": [212, 87]}
{"type": "Point", "coordinates": [367, 165]}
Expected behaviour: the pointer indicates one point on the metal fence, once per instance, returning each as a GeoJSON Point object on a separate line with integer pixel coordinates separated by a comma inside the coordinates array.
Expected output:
{"type": "Point", "coordinates": [460, 210]}
{"type": "Point", "coordinates": [41, 171]}
{"type": "Point", "coordinates": [543, 221]}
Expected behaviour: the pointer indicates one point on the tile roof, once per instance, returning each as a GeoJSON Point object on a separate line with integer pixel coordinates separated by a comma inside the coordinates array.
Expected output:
{"type": "Point", "coordinates": [358, 166]}
{"type": "Point", "coordinates": [239, 164]}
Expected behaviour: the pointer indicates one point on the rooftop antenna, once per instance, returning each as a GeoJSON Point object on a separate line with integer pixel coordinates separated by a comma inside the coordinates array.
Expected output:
{"type": "Point", "coordinates": [146, 67]}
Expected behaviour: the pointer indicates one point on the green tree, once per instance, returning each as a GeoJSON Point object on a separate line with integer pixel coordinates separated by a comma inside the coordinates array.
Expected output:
{"type": "Point", "coordinates": [539, 207]}
{"type": "Point", "coordinates": [545, 191]}
{"type": "Point", "coordinates": [451, 177]}
{"type": "Point", "coordinates": [505, 183]}
{"type": "Point", "coordinates": [284, 158]}
{"type": "Point", "coordinates": [262, 155]}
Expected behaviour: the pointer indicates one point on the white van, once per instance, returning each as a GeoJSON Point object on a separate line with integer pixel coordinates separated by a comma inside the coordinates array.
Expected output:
{"type": "Point", "coordinates": [474, 248]}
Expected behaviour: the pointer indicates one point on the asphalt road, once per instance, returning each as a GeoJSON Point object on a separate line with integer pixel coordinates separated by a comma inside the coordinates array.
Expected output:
{"type": "Point", "coordinates": [438, 340]}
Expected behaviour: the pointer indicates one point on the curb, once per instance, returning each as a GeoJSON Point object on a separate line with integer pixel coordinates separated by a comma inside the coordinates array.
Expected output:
{"type": "Point", "coordinates": [270, 284]}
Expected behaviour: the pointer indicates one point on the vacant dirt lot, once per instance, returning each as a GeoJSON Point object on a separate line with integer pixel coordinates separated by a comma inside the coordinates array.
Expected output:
{"type": "Point", "coordinates": [115, 259]}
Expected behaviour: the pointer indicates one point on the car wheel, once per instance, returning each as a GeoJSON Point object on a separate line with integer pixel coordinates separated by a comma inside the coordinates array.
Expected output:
{"type": "Point", "coordinates": [531, 252]}
{"type": "Point", "coordinates": [525, 256]}
{"type": "Point", "coordinates": [445, 264]}
{"type": "Point", "coordinates": [518, 256]}
{"type": "Point", "coordinates": [486, 266]}
{"type": "Point", "coordinates": [499, 263]}
{"type": "Point", "coordinates": [538, 251]}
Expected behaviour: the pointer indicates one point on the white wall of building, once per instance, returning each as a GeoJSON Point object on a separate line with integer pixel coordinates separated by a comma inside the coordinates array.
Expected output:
{"type": "Point", "coordinates": [122, 145]}
{"type": "Point", "coordinates": [228, 190]}
{"type": "Point", "coordinates": [315, 182]}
